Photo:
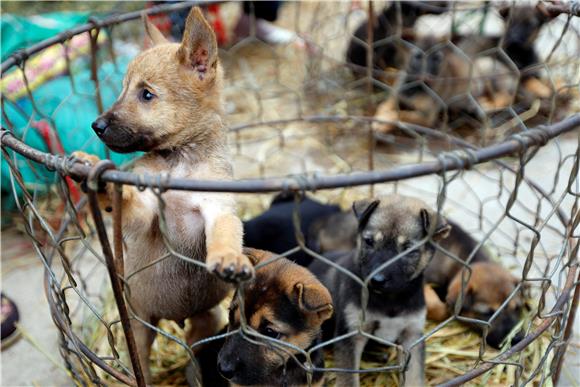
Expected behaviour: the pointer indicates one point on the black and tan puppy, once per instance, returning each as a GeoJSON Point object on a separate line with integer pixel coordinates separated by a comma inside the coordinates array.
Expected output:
{"type": "Point", "coordinates": [523, 24]}
{"type": "Point", "coordinates": [329, 231]}
{"type": "Point", "coordinates": [274, 230]}
{"type": "Point", "coordinates": [488, 287]}
{"type": "Point", "coordinates": [394, 245]}
{"type": "Point", "coordinates": [399, 17]}
{"type": "Point", "coordinates": [435, 90]}
{"type": "Point", "coordinates": [170, 108]}
{"type": "Point", "coordinates": [285, 302]}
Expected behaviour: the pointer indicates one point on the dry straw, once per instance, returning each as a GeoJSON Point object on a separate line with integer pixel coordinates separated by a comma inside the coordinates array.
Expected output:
{"type": "Point", "coordinates": [451, 351]}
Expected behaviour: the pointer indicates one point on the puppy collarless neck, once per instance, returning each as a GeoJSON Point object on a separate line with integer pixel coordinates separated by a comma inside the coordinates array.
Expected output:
{"type": "Point", "coordinates": [190, 154]}
{"type": "Point", "coordinates": [296, 375]}
{"type": "Point", "coordinates": [404, 300]}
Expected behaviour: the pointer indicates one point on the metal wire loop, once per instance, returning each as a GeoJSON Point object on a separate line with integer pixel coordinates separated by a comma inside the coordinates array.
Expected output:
{"type": "Point", "coordinates": [96, 171]}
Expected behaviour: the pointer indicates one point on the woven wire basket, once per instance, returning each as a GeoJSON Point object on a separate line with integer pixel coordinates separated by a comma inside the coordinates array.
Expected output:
{"type": "Point", "coordinates": [303, 121]}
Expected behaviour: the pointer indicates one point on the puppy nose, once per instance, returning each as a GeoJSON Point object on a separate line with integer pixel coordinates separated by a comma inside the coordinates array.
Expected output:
{"type": "Point", "coordinates": [100, 126]}
{"type": "Point", "coordinates": [227, 369]}
{"type": "Point", "coordinates": [378, 280]}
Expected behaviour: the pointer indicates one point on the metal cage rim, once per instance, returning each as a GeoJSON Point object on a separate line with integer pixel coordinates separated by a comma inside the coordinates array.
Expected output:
{"type": "Point", "coordinates": [533, 137]}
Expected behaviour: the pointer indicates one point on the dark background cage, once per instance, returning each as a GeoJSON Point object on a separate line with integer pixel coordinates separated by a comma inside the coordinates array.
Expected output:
{"type": "Point", "coordinates": [301, 122]}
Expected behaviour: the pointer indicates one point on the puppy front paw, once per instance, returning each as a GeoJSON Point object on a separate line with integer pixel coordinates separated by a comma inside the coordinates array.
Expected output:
{"type": "Point", "coordinates": [87, 158]}
{"type": "Point", "coordinates": [229, 265]}
{"type": "Point", "coordinates": [104, 194]}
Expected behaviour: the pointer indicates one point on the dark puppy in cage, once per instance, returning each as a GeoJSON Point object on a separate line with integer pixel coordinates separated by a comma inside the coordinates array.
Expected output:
{"type": "Point", "coordinates": [442, 88]}
{"type": "Point", "coordinates": [394, 239]}
{"type": "Point", "coordinates": [170, 109]}
{"type": "Point", "coordinates": [399, 17]}
{"type": "Point", "coordinates": [435, 89]}
{"type": "Point", "coordinates": [286, 303]}
{"type": "Point", "coordinates": [488, 286]}
{"type": "Point", "coordinates": [274, 230]}
{"type": "Point", "coordinates": [523, 25]}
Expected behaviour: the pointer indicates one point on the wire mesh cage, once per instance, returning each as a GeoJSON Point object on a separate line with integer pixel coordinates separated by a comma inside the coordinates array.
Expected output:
{"type": "Point", "coordinates": [429, 102]}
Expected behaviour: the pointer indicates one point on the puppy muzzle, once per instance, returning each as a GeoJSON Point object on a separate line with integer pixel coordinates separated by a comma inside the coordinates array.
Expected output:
{"type": "Point", "coordinates": [120, 138]}
{"type": "Point", "coordinates": [500, 329]}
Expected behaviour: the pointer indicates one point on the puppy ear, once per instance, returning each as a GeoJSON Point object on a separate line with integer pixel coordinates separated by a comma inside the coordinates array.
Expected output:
{"type": "Point", "coordinates": [198, 49]}
{"type": "Point", "coordinates": [153, 36]}
{"type": "Point", "coordinates": [255, 256]}
{"type": "Point", "coordinates": [314, 299]}
{"type": "Point", "coordinates": [441, 230]}
{"type": "Point", "coordinates": [363, 209]}
{"type": "Point", "coordinates": [544, 15]}
{"type": "Point", "coordinates": [504, 11]}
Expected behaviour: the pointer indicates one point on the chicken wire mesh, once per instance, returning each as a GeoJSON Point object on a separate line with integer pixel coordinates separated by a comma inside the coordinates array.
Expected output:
{"type": "Point", "coordinates": [305, 118]}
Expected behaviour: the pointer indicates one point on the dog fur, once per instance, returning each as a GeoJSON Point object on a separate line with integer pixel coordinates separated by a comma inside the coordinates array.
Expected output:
{"type": "Point", "coordinates": [285, 302]}
{"type": "Point", "coordinates": [451, 75]}
{"type": "Point", "coordinates": [399, 17]}
{"type": "Point", "coordinates": [523, 24]}
{"type": "Point", "coordinates": [395, 312]}
{"type": "Point", "coordinates": [274, 230]}
{"type": "Point", "coordinates": [170, 108]}
{"type": "Point", "coordinates": [433, 67]}
{"type": "Point", "coordinates": [489, 285]}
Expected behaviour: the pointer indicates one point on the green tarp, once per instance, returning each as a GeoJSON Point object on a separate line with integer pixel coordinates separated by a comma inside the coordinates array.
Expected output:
{"type": "Point", "coordinates": [69, 111]}
{"type": "Point", "coordinates": [19, 32]}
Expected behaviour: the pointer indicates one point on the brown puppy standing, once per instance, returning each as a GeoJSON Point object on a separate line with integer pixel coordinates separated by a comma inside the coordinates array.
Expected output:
{"type": "Point", "coordinates": [170, 108]}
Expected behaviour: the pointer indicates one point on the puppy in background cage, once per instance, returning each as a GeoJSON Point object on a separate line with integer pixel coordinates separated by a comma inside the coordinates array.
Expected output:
{"type": "Point", "coordinates": [397, 18]}
{"type": "Point", "coordinates": [394, 240]}
{"type": "Point", "coordinates": [441, 87]}
{"type": "Point", "coordinates": [523, 24]}
{"type": "Point", "coordinates": [285, 303]}
{"type": "Point", "coordinates": [449, 81]}
{"type": "Point", "coordinates": [170, 109]}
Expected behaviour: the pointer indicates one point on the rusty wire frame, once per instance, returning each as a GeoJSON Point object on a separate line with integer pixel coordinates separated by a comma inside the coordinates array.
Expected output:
{"type": "Point", "coordinates": [448, 167]}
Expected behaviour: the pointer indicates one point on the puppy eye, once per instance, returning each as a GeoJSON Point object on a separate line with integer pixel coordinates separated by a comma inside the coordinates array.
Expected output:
{"type": "Point", "coordinates": [146, 95]}
{"type": "Point", "coordinates": [271, 333]}
{"type": "Point", "coordinates": [369, 241]}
